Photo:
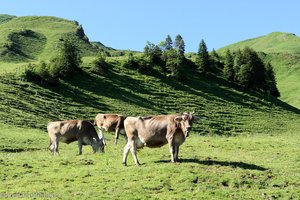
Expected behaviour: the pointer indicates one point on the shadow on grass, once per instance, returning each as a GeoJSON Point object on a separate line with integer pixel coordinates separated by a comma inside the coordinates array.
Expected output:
{"type": "Point", "coordinates": [241, 165]}
{"type": "Point", "coordinates": [17, 150]}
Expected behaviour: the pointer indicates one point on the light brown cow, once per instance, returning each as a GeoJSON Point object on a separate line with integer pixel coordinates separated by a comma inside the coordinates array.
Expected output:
{"type": "Point", "coordinates": [156, 131]}
{"type": "Point", "coordinates": [69, 131]}
{"type": "Point", "coordinates": [110, 123]}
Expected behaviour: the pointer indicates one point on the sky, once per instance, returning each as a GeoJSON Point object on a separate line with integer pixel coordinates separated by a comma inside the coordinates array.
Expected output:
{"type": "Point", "coordinates": [129, 24]}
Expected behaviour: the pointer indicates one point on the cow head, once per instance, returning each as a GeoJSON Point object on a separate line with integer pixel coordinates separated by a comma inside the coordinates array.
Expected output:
{"type": "Point", "coordinates": [185, 121]}
{"type": "Point", "coordinates": [98, 145]}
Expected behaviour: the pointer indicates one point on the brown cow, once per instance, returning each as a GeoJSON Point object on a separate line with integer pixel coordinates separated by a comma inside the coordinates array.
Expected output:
{"type": "Point", "coordinates": [69, 131]}
{"type": "Point", "coordinates": [156, 131]}
{"type": "Point", "coordinates": [110, 123]}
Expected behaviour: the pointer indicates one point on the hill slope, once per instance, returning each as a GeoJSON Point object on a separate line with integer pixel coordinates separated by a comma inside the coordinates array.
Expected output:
{"type": "Point", "coordinates": [224, 110]}
{"type": "Point", "coordinates": [34, 37]}
{"type": "Point", "coordinates": [283, 51]}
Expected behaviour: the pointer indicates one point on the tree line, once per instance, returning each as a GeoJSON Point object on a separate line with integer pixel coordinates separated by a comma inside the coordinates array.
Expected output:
{"type": "Point", "coordinates": [244, 68]}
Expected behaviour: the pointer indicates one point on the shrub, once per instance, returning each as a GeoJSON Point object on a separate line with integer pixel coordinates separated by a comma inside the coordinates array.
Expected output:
{"type": "Point", "coordinates": [99, 65]}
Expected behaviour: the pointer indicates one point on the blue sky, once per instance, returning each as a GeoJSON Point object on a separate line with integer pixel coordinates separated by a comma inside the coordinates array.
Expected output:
{"type": "Point", "coordinates": [129, 24]}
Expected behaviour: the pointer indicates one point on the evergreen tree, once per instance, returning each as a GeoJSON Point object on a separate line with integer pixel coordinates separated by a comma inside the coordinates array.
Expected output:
{"type": "Point", "coordinates": [203, 58]}
{"type": "Point", "coordinates": [257, 73]}
{"type": "Point", "coordinates": [174, 64]}
{"type": "Point", "coordinates": [168, 43]}
{"type": "Point", "coordinates": [228, 66]}
{"type": "Point", "coordinates": [271, 85]}
{"type": "Point", "coordinates": [179, 45]}
{"type": "Point", "coordinates": [243, 77]}
{"type": "Point", "coordinates": [237, 62]}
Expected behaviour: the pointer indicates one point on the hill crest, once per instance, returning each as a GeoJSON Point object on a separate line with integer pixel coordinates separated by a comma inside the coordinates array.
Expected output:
{"type": "Point", "coordinates": [275, 42]}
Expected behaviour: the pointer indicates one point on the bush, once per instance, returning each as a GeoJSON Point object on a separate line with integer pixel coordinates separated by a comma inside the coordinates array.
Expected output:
{"type": "Point", "coordinates": [99, 65]}
{"type": "Point", "coordinates": [130, 62]}
{"type": "Point", "coordinates": [39, 73]}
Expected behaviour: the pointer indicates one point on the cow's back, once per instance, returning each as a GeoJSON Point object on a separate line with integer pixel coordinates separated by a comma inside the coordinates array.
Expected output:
{"type": "Point", "coordinates": [109, 121]}
{"type": "Point", "coordinates": [149, 130]}
{"type": "Point", "coordinates": [66, 131]}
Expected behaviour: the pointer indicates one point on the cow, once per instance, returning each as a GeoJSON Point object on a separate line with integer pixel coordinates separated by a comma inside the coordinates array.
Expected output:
{"type": "Point", "coordinates": [71, 130]}
{"type": "Point", "coordinates": [110, 123]}
{"type": "Point", "coordinates": [156, 131]}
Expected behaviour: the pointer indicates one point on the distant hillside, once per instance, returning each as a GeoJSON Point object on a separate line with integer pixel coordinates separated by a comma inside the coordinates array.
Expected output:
{"type": "Point", "coordinates": [276, 42]}
{"type": "Point", "coordinates": [283, 51]}
{"type": "Point", "coordinates": [34, 37]}
{"type": "Point", "coordinates": [5, 18]}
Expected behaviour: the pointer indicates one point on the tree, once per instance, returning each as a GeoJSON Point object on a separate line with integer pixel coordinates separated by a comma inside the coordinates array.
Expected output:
{"type": "Point", "coordinates": [153, 52]}
{"type": "Point", "coordinates": [68, 60]}
{"type": "Point", "coordinates": [179, 45]}
{"type": "Point", "coordinates": [168, 43]}
{"type": "Point", "coordinates": [238, 61]}
{"type": "Point", "coordinates": [203, 58]}
{"type": "Point", "coordinates": [228, 66]}
{"type": "Point", "coordinates": [174, 64]}
{"type": "Point", "coordinates": [271, 85]}
{"type": "Point", "coordinates": [257, 73]}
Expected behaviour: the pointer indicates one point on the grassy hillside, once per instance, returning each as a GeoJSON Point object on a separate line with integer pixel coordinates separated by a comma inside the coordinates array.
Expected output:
{"type": "Point", "coordinates": [283, 51]}
{"type": "Point", "coordinates": [224, 110]}
{"type": "Point", "coordinates": [21, 36]}
{"type": "Point", "coordinates": [276, 42]}
{"type": "Point", "coordinates": [4, 18]}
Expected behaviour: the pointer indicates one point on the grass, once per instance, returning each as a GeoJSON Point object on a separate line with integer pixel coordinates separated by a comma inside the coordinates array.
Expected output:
{"type": "Point", "coordinates": [258, 166]}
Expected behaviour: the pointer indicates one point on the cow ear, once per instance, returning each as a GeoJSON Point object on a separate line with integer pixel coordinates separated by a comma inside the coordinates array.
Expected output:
{"type": "Point", "coordinates": [178, 119]}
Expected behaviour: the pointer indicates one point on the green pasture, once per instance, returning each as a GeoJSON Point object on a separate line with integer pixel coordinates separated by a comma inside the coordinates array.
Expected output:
{"type": "Point", "coordinates": [257, 166]}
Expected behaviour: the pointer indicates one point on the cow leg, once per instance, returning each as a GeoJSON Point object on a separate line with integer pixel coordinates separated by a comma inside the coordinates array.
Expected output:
{"type": "Point", "coordinates": [117, 135]}
{"type": "Point", "coordinates": [176, 153]}
{"type": "Point", "coordinates": [54, 141]}
{"type": "Point", "coordinates": [101, 131]}
{"type": "Point", "coordinates": [172, 151]}
{"type": "Point", "coordinates": [80, 146]}
{"type": "Point", "coordinates": [133, 152]}
{"type": "Point", "coordinates": [125, 154]}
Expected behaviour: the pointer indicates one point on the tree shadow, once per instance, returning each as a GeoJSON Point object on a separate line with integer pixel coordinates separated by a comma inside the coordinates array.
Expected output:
{"type": "Point", "coordinates": [112, 85]}
{"type": "Point", "coordinates": [232, 164]}
{"type": "Point", "coordinates": [214, 88]}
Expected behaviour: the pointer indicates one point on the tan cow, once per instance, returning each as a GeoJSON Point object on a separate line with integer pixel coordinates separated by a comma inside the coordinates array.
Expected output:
{"type": "Point", "coordinates": [69, 131]}
{"type": "Point", "coordinates": [110, 123]}
{"type": "Point", "coordinates": [156, 131]}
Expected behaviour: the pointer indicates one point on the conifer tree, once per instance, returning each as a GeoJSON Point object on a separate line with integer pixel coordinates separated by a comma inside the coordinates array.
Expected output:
{"type": "Point", "coordinates": [271, 85]}
{"type": "Point", "coordinates": [179, 45]}
{"type": "Point", "coordinates": [168, 43]}
{"type": "Point", "coordinates": [228, 66]}
{"type": "Point", "coordinates": [203, 58]}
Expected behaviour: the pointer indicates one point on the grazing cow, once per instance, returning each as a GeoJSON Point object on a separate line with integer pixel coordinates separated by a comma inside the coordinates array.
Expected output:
{"type": "Point", "coordinates": [156, 131]}
{"type": "Point", "coordinates": [110, 123]}
{"type": "Point", "coordinates": [69, 131]}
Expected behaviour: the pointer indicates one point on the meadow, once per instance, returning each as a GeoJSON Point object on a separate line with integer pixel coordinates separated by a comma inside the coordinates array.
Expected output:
{"type": "Point", "coordinates": [256, 166]}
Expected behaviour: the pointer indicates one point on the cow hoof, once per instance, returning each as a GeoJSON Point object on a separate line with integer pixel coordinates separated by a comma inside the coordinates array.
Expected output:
{"type": "Point", "coordinates": [124, 164]}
